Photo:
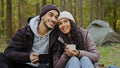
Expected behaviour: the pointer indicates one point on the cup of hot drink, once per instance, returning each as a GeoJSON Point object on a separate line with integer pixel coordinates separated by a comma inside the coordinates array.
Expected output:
{"type": "Point", "coordinates": [71, 46]}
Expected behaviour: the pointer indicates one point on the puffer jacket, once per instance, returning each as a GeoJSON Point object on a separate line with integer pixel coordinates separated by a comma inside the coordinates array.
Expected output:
{"type": "Point", "coordinates": [21, 43]}
{"type": "Point", "coordinates": [60, 59]}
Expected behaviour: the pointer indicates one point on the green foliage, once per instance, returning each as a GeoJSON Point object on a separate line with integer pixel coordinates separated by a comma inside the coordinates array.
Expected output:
{"type": "Point", "coordinates": [28, 8]}
{"type": "Point", "coordinates": [3, 44]}
{"type": "Point", "coordinates": [109, 55]}
{"type": "Point", "coordinates": [86, 13]}
{"type": "Point", "coordinates": [118, 27]}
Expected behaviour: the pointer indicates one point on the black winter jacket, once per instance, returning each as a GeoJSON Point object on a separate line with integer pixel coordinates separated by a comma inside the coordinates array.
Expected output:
{"type": "Point", "coordinates": [21, 43]}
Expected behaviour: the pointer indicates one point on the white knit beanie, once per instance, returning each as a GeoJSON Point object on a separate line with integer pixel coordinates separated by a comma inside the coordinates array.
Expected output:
{"type": "Point", "coordinates": [66, 14]}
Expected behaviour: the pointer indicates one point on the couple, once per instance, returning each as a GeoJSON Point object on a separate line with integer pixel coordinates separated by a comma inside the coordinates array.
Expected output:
{"type": "Point", "coordinates": [42, 43]}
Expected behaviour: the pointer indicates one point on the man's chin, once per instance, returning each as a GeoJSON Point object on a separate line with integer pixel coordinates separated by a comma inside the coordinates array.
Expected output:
{"type": "Point", "coordinates": [50, 28]}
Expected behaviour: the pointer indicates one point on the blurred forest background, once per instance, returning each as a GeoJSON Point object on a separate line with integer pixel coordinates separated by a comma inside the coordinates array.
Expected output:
{"type": "Point", "coordinates": [13, 13]}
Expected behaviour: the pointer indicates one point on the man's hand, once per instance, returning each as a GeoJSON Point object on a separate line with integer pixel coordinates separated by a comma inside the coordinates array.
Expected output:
{"type": "Point", "coordinates": [34, 58]}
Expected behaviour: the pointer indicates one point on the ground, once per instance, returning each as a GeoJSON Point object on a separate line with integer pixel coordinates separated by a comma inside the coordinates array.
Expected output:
{"type": "Point", "coordinates": [109, 54]}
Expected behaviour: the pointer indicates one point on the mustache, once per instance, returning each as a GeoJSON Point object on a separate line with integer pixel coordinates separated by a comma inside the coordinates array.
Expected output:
{"type": "Point", "coordinates": [53, 21]}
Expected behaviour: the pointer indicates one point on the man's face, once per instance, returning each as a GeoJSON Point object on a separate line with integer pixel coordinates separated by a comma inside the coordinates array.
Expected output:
{"type": "Point", "coordinates": [50, 19]}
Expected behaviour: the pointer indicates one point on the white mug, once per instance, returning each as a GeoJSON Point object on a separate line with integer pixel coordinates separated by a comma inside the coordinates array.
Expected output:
{"type": "Point", "coordinates": [71, 46]}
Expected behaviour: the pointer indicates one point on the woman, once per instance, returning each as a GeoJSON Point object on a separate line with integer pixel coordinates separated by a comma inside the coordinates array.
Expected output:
{"type": "Point", "coordinates": [83, 56]}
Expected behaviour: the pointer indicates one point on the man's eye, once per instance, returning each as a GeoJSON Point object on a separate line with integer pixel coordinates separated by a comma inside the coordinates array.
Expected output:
{"type": "Point", "coordinates": [50, 14]}
{"type": "Point", "coordinates": [56, 17]}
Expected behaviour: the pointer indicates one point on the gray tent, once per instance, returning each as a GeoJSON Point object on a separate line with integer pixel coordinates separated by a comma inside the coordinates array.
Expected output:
{"type": "Point", "coordinates": [102, 33]}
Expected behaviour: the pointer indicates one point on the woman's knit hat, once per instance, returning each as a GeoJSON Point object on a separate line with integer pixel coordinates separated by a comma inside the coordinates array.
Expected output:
{"type": "Point", "coordinates": [66, 14]}
{"type": "Point", "coordinates": [47, 8]}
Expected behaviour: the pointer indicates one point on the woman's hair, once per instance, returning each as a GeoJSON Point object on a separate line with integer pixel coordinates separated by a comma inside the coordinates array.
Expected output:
{"type": "Point", "coordinates": [77, 39]}
{"type": "Point", "coordinates": [76, 35]}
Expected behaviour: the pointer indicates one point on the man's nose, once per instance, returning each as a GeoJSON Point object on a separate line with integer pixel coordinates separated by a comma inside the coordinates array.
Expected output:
{"type": "Point", "coordinates": [54, 19]}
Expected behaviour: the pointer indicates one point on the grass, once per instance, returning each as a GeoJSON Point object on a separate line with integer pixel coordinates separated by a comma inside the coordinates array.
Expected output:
{"type": "Point", "coordinates": [109, 55]}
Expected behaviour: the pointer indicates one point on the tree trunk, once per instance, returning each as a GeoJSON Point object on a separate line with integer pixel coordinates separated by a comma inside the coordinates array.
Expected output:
{"type": "Point", "coordinates": [80, 18]}
{"type": "Point", "coordinates": [52, 1]}
{"type": "Point", "coordinates": [43, 2]}
{"type": "Point", "coordinates": [114, 14]}
{"type": "Point", "coordinates": [102, 10]}
{"type": "Point", "coordinates": [91, 11]}
{"type": "Point", "coordinates": [74, 11]}
{"type": "Point", "coordinates": [64, 4]}
{"type": "Point", "coordinates": [9, 19]}
{"type": "Point", "coordinates": [96, 8]}
{"type": "Point", "coordinates": [2, 23]}
{"type": "Point", "coordinates": [19, 13]}
{"type": "Point", "coordinates": [71, 6]}
{"type": "Point", "coordinates": [37, 8]}
{"type": "Point", "coordinates": [61, 5]}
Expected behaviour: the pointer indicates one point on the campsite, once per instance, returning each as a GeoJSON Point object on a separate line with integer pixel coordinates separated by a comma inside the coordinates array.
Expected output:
{"type": "Point", "coordinates": [101, 18]}
{"type": "Point", "coordinates": [102, 33]}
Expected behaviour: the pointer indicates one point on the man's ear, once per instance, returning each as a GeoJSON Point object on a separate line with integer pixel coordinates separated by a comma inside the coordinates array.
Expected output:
{"type": "Point", "coordinates": [41, 17]}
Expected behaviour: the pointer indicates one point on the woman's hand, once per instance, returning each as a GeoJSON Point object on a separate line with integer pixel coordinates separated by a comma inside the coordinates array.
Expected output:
{"type": "Point", "coordinates": [71, 53]}
{"type": "Point", "coordinates": [68, 52]}
{"type": "Point", "coordinates": [75, 52]}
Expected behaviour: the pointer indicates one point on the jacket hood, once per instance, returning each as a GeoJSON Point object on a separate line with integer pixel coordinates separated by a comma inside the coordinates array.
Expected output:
{"type": "Point", "coordinates": [33, 22]}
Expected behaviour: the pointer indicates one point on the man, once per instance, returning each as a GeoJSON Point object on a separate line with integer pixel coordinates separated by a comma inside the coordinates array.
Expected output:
{"type": "Point", "coordinates": [30, 47]}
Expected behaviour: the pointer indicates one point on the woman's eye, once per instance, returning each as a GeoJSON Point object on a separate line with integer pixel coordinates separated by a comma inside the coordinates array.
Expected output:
{"type": "Point", "coordinates": [60, 23]}
{"type": "Point", "coordinates": [65, 21]}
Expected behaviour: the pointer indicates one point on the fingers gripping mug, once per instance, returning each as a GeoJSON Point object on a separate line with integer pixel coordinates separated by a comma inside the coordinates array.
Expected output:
{"type": "Point", "coordinates": [71, 46]}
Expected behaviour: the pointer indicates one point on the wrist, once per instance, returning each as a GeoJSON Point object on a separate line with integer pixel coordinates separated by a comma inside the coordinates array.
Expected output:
{"type": "Point", "coordinates": [65, 57]}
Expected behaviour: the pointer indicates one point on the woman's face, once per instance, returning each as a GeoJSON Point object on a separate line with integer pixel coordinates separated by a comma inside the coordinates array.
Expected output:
{"type": "Point", "coordinates": [64, 25]}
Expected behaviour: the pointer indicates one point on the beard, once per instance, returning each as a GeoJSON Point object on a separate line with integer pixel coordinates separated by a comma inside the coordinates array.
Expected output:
{"type": "Point", "coordinates": [47, 26]}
